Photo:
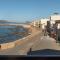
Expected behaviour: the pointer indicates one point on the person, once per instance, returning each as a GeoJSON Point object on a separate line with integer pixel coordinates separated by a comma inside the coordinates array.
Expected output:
{"type": "Point", "coordinates": [0, 46]}
{"type": "Point", "coordinates": [30, 50]}
{"type": "Point", "coordinates": [43, 28]}
{"type": "Point", "coordinates": [45, 31]}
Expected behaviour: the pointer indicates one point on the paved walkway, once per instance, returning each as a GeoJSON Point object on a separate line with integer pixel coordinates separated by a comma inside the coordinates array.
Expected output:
{"type": "Point", "coordinates": [38, 42]}
{"type": "Point", "coordinates": [22, 48]}
{"type": "Point", "coordinates": [46, 46]}
{"type": "Point", "coordinates": [46, 42]}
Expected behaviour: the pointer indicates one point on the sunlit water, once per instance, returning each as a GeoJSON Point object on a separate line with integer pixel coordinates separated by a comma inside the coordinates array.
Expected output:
{"type": "Point", "coordinates": [6, 33]}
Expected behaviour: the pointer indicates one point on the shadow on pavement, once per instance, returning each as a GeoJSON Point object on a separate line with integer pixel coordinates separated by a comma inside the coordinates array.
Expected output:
{"type": "Point", "coordinates": [44, 52]}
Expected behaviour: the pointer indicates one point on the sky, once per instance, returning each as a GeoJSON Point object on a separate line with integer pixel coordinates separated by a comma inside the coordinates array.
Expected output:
{"type": "Point", "coordinates": [27, 10]}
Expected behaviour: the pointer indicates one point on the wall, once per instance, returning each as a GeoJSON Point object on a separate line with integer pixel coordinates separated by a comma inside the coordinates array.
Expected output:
{"type": "Point", "coordinates": [23, 40]}
{"type": "Point", "coordinates": [19, 41]}
{"type": "Point", "coordinates": [7, 45]}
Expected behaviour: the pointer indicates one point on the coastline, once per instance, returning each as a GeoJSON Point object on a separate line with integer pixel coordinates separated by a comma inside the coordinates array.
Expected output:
{"type": "Point", "coordinates": [19, 41]}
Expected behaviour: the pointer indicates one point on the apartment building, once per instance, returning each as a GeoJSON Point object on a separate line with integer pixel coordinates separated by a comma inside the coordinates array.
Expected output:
{"type": "Point", "coordinates": [44, 22]}
{"type": "Point", "coordinates": [36, 23]}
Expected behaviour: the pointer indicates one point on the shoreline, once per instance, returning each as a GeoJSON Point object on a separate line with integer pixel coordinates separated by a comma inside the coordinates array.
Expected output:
{"type": "Point", "coordinates": [18, 42]}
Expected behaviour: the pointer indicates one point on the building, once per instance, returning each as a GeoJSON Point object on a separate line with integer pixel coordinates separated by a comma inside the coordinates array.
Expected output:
{"type": "Point", "coordinates": [40, 23]}
{"type": "Point", "coordinates": [44, 22]}
{"type": "Point", "coordinates": [55, 17]}
{"type": "Point", "coordinates": [36, 23]}
{"type": "Point", "coordinates": [54, 27]}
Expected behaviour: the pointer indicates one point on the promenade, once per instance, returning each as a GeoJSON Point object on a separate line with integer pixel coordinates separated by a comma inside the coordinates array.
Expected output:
{"type": "Point", "coordinates": [35, 41]}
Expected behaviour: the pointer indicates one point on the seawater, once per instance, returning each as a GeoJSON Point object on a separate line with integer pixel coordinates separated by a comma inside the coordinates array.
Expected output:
{"type": "Point", "coordinates": [6, 33]}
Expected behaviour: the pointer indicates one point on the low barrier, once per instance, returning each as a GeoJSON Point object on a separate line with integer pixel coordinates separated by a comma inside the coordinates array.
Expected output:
{"type": "Point", "coordinates": [25, 39]}
{"type": "Point", "coordinates": [17, 42]}
{"type": "Point", "coordinates": [7, 45]}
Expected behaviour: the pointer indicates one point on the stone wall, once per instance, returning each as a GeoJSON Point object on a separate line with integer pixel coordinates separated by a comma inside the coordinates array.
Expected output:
{"type": "Point", "coordinates": [19, 41]}
{"type": "Point", "coordinates": [25, 39]}
{"type": "Point", "coordinates": [7, 45]}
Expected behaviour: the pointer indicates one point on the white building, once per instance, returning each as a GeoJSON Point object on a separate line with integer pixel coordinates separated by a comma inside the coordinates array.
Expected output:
{"type": "Point", "coordinates": [36, 23]}
{"type": "Point", "coordinates": [54, 18]}
{"type": "Point", "coordinates": [44, 22]}
{"type": "Point", "coordinates": [58, 27]}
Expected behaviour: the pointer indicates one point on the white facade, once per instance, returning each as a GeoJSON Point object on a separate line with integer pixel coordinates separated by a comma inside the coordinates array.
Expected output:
{"type": "Point", "coordinates": [55, 17]}
{"type": "Point", "coordinates": [36, 23]}
{"type": "Point", "coordinates": [44, 21]}
{"type": "Point", "coordinates": [58, 27]}
{"type": "Point", "coordinates": [52, 22]}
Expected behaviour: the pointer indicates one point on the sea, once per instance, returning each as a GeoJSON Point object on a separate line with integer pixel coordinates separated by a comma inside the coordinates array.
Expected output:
{"type": "Point", "coordinates": [8, 33]}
